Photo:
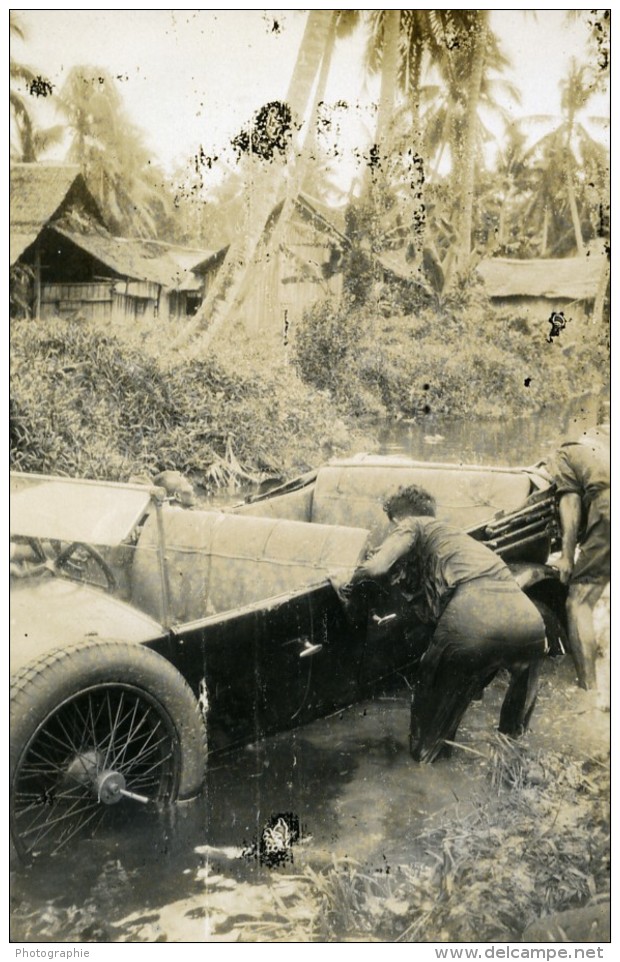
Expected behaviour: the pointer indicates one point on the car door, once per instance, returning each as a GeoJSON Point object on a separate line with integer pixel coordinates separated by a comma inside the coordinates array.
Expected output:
{"type": "Point", "coordinates": [271, 666]}
{"type": "Point", "coordinates": [310, 657]}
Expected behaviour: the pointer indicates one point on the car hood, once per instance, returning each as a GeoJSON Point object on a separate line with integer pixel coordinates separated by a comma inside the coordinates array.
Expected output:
{"type": "Point", "coordinates": [55, 612]}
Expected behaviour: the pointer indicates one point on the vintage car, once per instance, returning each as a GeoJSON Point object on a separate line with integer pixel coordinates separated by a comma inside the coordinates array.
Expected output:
{"type": "Point", "coordinates": [143, 634]}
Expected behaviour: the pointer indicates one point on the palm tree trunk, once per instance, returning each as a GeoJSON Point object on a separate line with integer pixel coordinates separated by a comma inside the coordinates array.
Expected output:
{"type": "Point", "coordinates": [219, 302]}
{"type": "Point", "coordinates": [443, 142]}
{"type": "Point", "coordinates": [385, 108]}
{"type": "Point", "coordinates": [389, 74]}
{"type": "Point", "coordinates": [601, 293]}
{"type": "Point", "coordinates": [572, 203]}
{"type": "Point", "coordinates": [294, 184]}
{"type": "Point", "coordinates": [544, 244]}
{"type": "Point", "coordinates": [413, 87]}
{"type": "Point", "coordinates": [418, 225]}
{"type": "Point", "coordinates": [466, 167]}
{"type": "Point", "coordinates": [501, 227]}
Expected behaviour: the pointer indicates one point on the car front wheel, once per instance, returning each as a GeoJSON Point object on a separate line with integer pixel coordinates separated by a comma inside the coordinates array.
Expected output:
{"type": "Point", "coordinates": [94, 726]}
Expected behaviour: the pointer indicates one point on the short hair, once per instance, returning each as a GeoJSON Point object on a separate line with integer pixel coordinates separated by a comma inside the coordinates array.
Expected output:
{"type": "Point", "coordinates": [410, 499]}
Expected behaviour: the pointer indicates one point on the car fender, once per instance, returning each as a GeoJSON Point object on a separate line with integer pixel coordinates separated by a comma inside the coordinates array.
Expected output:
{"type": "Point", "coordinates": [58, 612]}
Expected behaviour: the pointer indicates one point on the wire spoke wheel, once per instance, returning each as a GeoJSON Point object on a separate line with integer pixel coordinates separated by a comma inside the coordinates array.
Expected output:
{"type": "Point", "coordinates": [100, 727]}
{"type": "Point", "coordinates": [83, 759]}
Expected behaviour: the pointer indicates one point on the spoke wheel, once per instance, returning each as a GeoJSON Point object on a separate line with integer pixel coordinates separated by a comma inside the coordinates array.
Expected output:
{"type": "Point", "coordinates": [127, 735]}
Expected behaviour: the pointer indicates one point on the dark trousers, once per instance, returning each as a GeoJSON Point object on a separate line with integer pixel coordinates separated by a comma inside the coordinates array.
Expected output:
{"type": "Point", "coordinates": [486, 626]}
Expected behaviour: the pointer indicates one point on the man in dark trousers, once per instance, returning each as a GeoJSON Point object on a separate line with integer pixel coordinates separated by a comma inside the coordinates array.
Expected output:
{"type": "Point", "coordinates": [581, 470]}
{"type": "Point", "coordinates": [480, 620]}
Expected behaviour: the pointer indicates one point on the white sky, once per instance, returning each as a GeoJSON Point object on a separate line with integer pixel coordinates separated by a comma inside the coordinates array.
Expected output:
{"type": "Point", "coordinates": [191, 78]}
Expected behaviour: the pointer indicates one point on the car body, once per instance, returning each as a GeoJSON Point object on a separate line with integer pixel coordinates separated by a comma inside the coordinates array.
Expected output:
{"type": "Point", "coordinates": [139, 628]}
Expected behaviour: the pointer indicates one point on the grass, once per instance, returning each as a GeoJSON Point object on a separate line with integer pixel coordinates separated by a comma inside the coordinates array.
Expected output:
{"type": "Point", "coordinates": [523, 853]}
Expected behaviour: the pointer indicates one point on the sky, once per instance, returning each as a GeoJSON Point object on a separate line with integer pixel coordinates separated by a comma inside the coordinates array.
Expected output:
{"type": "Point", "coordinates": [192, 78]}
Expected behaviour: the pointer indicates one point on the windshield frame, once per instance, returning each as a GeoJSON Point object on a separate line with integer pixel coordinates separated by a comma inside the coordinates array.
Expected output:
{"type": "Point", "coordinates": [66, 509]}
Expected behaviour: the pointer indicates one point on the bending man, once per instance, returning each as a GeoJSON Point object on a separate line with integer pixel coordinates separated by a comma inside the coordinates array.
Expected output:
{"type": "Point", "coordinates": [480, 620]}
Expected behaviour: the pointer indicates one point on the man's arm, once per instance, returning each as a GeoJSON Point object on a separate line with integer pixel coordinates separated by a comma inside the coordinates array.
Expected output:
{"type": "Point", "coordinates": [395, 546]}
{"type": "Point", "coordinates": [570, 521]}
{"type": "Point", "coordinates": [376, 567]}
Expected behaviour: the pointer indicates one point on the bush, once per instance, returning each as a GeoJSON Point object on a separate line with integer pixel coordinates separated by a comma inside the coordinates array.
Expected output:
{"type": "Point", "coordinates": [458, 358]}
{"type": "Point", "coordinates": [84, 404]}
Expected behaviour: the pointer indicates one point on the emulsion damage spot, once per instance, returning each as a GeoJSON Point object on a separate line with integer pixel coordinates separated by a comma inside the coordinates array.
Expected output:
{"type": "Point", "coordinates": [275, 845]}
{"type": "Point", "coordinates": [40, 87]}
{"type": "Point", "coordinates": [269, 133]}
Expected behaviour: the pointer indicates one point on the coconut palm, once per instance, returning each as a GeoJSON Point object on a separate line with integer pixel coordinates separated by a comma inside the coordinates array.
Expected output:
{"type": "Point", "coordinates": [28, 140]}
{"type": "Point", "coordinates": [265, 189]}
{"type": "Point", "coordinates": [459, 47]}
{"type": "Point", "coordinates": [110, 150]}
{"type": "Point", "coordinates": [562, 151]}
{"type": "Point", "coordinates": [470, 51]}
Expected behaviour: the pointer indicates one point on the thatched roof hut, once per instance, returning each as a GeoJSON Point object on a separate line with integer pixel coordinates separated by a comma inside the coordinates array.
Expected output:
{"type": "Point", "coordinates": [77, 267]}
{"type": "Point", "coordinates": [41, 194]}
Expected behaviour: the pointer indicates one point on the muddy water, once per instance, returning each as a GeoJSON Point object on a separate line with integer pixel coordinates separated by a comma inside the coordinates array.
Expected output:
{"type": "Point", "coordinates": [360, 799]}
{"type": "Point", "coordinates": [521, 441]}
{"type": "Point", "coordinates": [347, 782]}
{"type": "Point", "coordinates": [348, 779]}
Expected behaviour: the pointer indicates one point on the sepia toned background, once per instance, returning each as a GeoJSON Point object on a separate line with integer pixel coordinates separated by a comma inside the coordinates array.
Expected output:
{"type": "Point", "coordinates": [242, 243]}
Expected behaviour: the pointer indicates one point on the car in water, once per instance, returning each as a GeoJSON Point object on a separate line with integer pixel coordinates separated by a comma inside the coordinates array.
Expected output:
{"type": "Point", "coordinates": [145, 636]}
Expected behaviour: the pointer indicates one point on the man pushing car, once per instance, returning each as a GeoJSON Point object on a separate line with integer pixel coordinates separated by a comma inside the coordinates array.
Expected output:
{"type": "Point", "coordinates": [479, 620]}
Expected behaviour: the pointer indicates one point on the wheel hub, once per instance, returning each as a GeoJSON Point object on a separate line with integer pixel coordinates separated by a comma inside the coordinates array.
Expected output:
{"type": "Point", "coordinates": [84, 768]}
{"type": "Point", "coordinates": [110, 787]}
{"type": "Point", "coordinates": [106, 784]}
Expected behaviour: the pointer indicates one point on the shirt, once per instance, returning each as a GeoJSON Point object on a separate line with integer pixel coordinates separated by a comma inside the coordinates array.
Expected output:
{"type": "Point", "coordinates": [428, 559]}
{"type": "Point", "coordinates": [583, 467]}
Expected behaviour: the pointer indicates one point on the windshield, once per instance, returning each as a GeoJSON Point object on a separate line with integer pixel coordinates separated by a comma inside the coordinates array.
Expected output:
{"type": "Point", "coordinates": [92, 512]}
{"type": "Point", "coordinates": [83, 532]}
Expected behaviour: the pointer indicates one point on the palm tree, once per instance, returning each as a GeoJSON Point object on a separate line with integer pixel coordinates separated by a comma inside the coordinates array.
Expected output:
{"type": "Point", "coordinates": [264, 191]}
{"type": "Point", "coordinates": [569, 142]}
{"type": "Point", "coordinates": [110, 151]}
{"type": "Point", "coordinates": [460, 46]}
{"type": "Point", "coordinates": [29, 141]}
{"type": "Point", "coordinates": [468, 52]}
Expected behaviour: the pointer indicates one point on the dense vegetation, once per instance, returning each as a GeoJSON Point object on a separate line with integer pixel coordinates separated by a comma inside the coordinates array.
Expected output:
{"type": "Point", "coordinates": [86, 405]}
{"type": "Point", "coordinates": [456, 359]}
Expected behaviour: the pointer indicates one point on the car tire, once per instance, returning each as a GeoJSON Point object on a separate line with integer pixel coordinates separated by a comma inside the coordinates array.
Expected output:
{"type": "Point", "coordinates": [89, 724]}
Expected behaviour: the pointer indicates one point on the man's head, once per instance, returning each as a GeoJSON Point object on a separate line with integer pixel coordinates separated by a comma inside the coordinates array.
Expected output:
{"type": "Point", "coordinates": [409, 500]}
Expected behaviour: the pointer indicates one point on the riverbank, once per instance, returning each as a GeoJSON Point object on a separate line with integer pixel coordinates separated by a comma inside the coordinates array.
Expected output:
{"type": "Point", "coordinates": [86, 403]}
{"type": "Point", "coordinates": [455, 360]}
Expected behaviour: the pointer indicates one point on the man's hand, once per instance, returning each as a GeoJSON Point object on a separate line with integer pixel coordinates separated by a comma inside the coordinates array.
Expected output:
{"type": "Point", "coordinates": [338, 582]}
{"type": "Point", "coordinates": [564, 567]}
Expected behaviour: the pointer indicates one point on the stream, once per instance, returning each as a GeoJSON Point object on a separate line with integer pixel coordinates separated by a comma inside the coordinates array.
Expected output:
{"type": "Point", "coordinates": [346, 782]}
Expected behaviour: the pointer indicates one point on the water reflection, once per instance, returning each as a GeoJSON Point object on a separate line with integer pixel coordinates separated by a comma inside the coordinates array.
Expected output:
{"type": "Point", "coordinates": [498, 441]}
{"type": "Point", "coordinates": [516, 441]}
